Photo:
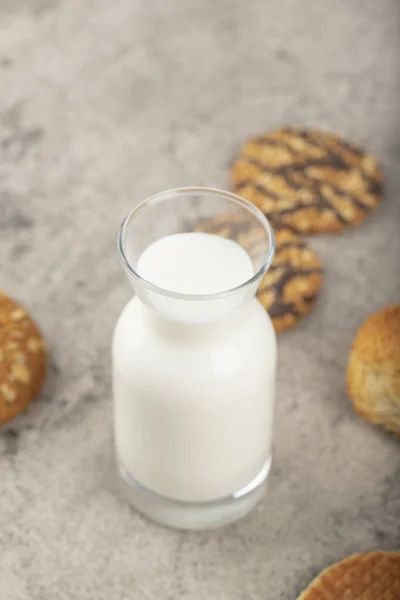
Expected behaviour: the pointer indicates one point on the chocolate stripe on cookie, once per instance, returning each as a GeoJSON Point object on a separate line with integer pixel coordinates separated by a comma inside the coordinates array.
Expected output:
{"type": "Point", "coordinates": [319, 183]}
{"type": "Point", "coordinates": [281, 310]}
{"type": "Point", "coordinates": [287, 276]}
{"type": "Point", "coordinates": [285, 245]}
{"type": "Point", "coordinates": [286, 172]}
{"type": "Point", "coordinates": [324, 141]}
{"type": "Point", "coordinates": [297, 205]}
{"type": "Point", "coordinates": [259, 187]}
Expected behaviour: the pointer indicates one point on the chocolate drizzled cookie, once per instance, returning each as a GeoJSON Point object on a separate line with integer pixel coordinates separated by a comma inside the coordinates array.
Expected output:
{"type": "Point", "coordinates": [290, 287]}
{"type": "Point", "coordinates": [312, 180]}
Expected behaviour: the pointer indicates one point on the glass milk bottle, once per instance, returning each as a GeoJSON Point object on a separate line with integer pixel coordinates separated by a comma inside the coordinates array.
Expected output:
{"type": "Point", "coordinates": [194, 359]}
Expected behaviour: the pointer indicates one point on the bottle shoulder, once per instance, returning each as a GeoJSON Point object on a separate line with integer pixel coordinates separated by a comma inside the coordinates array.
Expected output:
{"type": "Point", "coordinates": [139, 330]}
{"type": "Point", "coordinates": [240, 355]}
{"type": "Point", "coordinates": [135, 316]}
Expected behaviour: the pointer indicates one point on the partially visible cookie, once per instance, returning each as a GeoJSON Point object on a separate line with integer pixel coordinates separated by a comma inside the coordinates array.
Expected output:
{"type": "Point", "coordinates": [368, 576]}
{"type": "Point", "coordinates": [291, 285]}
{"type": "Point", "coordinates": [312, 180]}
{"type": "Point", "coordinates": [236, 227]}
{"type": "Point", "coordinates": [22, 359]}
{"type": "Point", "coordinates": [373, 372]}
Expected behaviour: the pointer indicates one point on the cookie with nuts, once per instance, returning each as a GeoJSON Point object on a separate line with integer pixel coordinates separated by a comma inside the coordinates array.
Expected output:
{"type": "Point", "coordinates": [373, 371]}
{"type": "Point", "coordinates": [22, 359]}
{"type": "Point", "coordinates": [312, 180]}
{"type": "Point", "coordinates": [292, 284]}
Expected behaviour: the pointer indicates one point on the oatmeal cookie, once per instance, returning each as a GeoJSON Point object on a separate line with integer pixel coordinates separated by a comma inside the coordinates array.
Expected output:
{"type": "Point", "coordinates": [373, 372]}
{"type": "Point", "coordinates": [22, 359]}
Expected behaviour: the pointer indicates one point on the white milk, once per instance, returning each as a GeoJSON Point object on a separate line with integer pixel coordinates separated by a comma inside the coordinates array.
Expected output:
{"type": "Point", "coordinates": [194, 401]}
{"type": "Point", "coordinates": [195, 263]}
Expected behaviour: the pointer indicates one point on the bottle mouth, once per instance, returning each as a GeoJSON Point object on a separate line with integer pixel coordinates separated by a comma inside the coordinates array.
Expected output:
{"type": "Point", "coordinates": [162, 197]}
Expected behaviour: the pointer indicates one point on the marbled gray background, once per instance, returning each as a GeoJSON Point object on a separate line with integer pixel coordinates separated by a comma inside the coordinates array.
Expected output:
{"type": "Point", "coordinates": [103, 103]}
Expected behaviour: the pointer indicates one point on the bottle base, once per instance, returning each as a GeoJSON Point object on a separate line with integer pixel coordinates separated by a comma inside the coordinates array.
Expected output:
{"type": "Point", "coordinates": [193, 515]}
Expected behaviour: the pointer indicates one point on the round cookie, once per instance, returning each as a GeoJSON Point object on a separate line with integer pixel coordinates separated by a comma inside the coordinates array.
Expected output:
{"type": "Point", "coordinates": [373, 372]}
{"type": "Point", "coordinates": [22, 359]}
{"type": "Point", "coordinates": [369, 576]}
{"type": "Point", "coordinates": [292, 283]}
{"type": "Point", "coordinates": [312, 180]}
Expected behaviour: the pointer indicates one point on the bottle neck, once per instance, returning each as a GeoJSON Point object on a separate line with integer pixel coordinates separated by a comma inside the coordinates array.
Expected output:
{"type": "Point", "coordinates": [210, 323]}
{"type": "Point", "coordinates": [190, 312]}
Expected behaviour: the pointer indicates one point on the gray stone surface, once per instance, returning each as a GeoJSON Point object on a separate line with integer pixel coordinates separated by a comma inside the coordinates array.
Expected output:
{"type": "Point", "coordinates": [102, 104]}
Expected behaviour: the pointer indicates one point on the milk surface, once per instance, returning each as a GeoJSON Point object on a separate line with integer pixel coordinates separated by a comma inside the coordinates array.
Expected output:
{"type": "Point", "coordinates": [195, 263]}
{"type": "Point", "coordinates": [193, 402]}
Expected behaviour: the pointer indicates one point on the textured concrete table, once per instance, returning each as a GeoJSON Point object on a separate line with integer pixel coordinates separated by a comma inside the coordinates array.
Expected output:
{"type": "Point", "coordinates": [102, 104]}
